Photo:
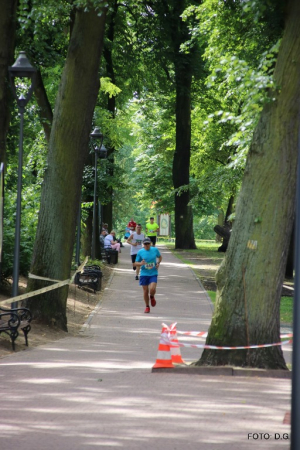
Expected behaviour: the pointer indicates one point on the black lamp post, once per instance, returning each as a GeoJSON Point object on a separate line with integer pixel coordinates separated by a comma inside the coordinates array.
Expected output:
{"type": "Point", "coordinates": [101, 153]}
{"type": "Point", "coordinates": [21, 69]}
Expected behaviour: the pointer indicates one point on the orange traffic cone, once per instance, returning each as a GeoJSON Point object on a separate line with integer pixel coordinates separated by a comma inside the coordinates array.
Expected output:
{"type": "Point", "coordinates": [163, 359]}
{"type": "Point", "coordinates": [174, 347]}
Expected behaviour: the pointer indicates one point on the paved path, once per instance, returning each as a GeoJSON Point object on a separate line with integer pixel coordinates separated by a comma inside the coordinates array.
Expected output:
{"type": "Point", "coordinates": [96, 391]}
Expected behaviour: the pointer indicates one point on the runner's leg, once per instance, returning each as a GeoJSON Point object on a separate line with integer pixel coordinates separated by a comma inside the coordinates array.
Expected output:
{"type": "Point", "coordinates": [146, 294]}
{"type": "Point", "coordinates": [152, 287]}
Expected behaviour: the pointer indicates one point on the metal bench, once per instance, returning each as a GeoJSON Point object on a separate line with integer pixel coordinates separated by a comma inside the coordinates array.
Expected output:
{"type": "Point", "coordinates": [11, 320]}
{"type": "Point", "coordinates": [91, 277]}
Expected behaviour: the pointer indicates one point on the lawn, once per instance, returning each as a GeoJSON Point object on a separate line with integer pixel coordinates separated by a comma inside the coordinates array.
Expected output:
{"type": "Point", "coordinates": [205, 260]}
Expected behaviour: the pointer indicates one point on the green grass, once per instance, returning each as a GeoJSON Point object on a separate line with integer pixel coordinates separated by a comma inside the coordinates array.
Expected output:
{"type": "Point", "coordinates": [286, 309]}
{"type": "Point", "coordinates": [208, 249]}
{"type": "Point", "coordinates": [212, 295]}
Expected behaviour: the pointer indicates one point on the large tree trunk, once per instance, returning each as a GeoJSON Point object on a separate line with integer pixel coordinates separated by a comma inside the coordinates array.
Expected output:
{"type": "Point", "coordinates": [68, 146]}
{"type": "Point", "coordinates": [250, 278]}
{"type": "Point", "coordinates": [7, 44]}
{"type": "Point", "coordinates": [111, 106]}
{"type": "Point", "coordinates": [184, 234]}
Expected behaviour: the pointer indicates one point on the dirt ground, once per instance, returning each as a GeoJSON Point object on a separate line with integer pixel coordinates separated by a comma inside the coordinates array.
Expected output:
{"type": "Point", "coordinates": [81, 302]}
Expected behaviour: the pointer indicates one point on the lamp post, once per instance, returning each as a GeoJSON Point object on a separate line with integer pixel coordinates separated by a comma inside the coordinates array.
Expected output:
{"type": "Point", "coordinates": [21, 69]}
{"type": "Point", "coordinates": [100, 152]}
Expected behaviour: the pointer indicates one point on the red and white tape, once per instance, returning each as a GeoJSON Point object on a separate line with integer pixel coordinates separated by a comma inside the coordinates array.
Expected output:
{"type": "Point", "coordinates": [166, 339]}
{"type": "Point", "coordinates": [204, 334]}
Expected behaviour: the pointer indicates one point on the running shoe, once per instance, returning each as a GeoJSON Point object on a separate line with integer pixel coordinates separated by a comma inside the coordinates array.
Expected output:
{"type": "Point", "coordinates": [147, 310]}
{"type": "Point", "coordinates": [136, 277]}
{"type": "Point", "coordinates": [153, 301]}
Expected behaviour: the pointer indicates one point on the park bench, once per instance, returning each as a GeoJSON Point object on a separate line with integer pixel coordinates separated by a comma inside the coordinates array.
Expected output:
{"type": "Point", "coordinates": [11, 320]}
{"type": "Point", "coordinates": [109, 255]}
{"type": "Point", "coordinates": [90, 277]}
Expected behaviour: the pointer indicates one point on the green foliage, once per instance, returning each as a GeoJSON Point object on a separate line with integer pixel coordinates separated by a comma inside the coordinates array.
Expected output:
{"type": "Point", "coordinates": [237, 44]}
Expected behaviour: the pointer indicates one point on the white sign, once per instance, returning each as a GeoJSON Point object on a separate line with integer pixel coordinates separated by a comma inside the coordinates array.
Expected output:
{"type": "Point", "coordinates": [164, 225]}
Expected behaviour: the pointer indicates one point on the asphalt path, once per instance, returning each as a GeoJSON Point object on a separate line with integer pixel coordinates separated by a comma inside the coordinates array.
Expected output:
{"type": "Point", "coordinates": [98, 391]}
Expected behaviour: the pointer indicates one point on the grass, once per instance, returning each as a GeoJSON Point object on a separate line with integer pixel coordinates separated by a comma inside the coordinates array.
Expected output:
{"type": "Point", "coordinates": [286, 309]}
{"type": "Point", "coordinates": [208, 249]}
{"type": "Point", "coordinates": [212, 295]}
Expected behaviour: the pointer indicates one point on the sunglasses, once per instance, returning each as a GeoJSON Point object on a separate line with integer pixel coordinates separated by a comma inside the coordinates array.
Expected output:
{"type": "Point", "coordinates": [146, 243]}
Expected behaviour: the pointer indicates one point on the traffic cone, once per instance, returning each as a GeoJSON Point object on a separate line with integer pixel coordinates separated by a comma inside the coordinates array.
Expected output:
{"type": "Point", "coordinates": [174, 347]}
{"type": "Point", "coordinates": [163, 359]}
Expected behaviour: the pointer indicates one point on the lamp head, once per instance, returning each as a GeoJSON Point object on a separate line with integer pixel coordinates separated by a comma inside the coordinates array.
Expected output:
{"type": "Point", "coordinates": [22, 69]}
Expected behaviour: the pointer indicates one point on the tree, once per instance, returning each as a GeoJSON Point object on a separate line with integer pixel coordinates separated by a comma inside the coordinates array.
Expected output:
{"type": "Point", "coordinates": [184, 68]}
{"type": "Point", "coordinates": [249, 281]}
{"type": "Point", "coordinates": [7, 40]}
{"type": "Point", "coordinates": [68, 147]}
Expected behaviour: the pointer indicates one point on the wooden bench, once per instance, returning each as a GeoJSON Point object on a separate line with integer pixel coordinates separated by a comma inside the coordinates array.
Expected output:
{"type": "Point", "coordinates": [11, 320]}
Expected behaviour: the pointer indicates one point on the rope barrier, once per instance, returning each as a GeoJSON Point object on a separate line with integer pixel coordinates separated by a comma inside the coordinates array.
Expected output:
{"type": "Point", "coordinates": [169, 339]}
{"type": "Point", "coordinates": [45, 289]}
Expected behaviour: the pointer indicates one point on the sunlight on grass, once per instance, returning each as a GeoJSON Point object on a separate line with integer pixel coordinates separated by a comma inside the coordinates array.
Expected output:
{"type": "Point", "coordinates": [212, 295]}
{"type": "Point", "coordinates": [209, 249]}
{"type": "Point", "coordinates": [286, 309]}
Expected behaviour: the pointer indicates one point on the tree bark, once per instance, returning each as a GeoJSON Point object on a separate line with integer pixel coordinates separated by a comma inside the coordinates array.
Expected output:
{"type": "Point", "coordinates": [68, 146]}
{"type": "Point", "coordinates": [184, 234]}
{"type": "Point", "coordinates": [111, 106]}
{"type": "Point", "coordinates": [45, 110]}
{"type": "Point", "coordinates": [7, 44]}
{"type": "Point", "coordinates": [250, 278]}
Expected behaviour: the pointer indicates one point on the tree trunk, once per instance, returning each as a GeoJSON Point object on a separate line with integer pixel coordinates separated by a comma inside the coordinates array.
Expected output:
{"type": "Point", "coordinates": [7, 43]}
{"type": "Point", "coordinates": [111, 106]}
{"type": "Point", "coordinates": [68, 146]}
{"type": "Point", "coordinates": [250, 278]}
{"type": "Point", "coordinates": [45, 110]}
{"type": "Point", "coordinates": [184, 234]}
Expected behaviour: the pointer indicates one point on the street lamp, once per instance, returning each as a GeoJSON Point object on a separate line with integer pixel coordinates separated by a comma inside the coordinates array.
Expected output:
{"type": "Point", "coordinates": [21, 69]}
{"type": "Point", "coordinates": [101, 153]}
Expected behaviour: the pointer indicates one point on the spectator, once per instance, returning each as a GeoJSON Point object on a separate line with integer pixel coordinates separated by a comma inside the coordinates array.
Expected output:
{"type": "Point", "coordinates": [110, 242]}
{"type": "Point", "coordinates": [102, 237]}
{"type": "Point", "coordinates": [105, 228]}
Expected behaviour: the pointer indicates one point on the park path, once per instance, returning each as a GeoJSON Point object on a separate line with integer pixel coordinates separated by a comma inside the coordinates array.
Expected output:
{"type": "Point", "coordinates": [97, 391]}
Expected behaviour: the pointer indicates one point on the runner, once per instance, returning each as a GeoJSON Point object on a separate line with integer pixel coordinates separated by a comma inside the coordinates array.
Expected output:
{"type": "Point", "coordinates": [149, 259]}
{"type": "Point", "coordinates": [152, 228]}
{"type": "Point", "coordinates": [131, 224]}
{"type": "Point", "coordinates": [136, 243]}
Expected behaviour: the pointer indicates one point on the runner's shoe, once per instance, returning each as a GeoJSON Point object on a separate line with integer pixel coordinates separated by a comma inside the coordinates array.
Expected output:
{"type": "Point", "coordinates": [147, 310]}
{"type": "Point", "coordinates": [153, 301]}
{"type": "Point", "coordinates": [136, 277]}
